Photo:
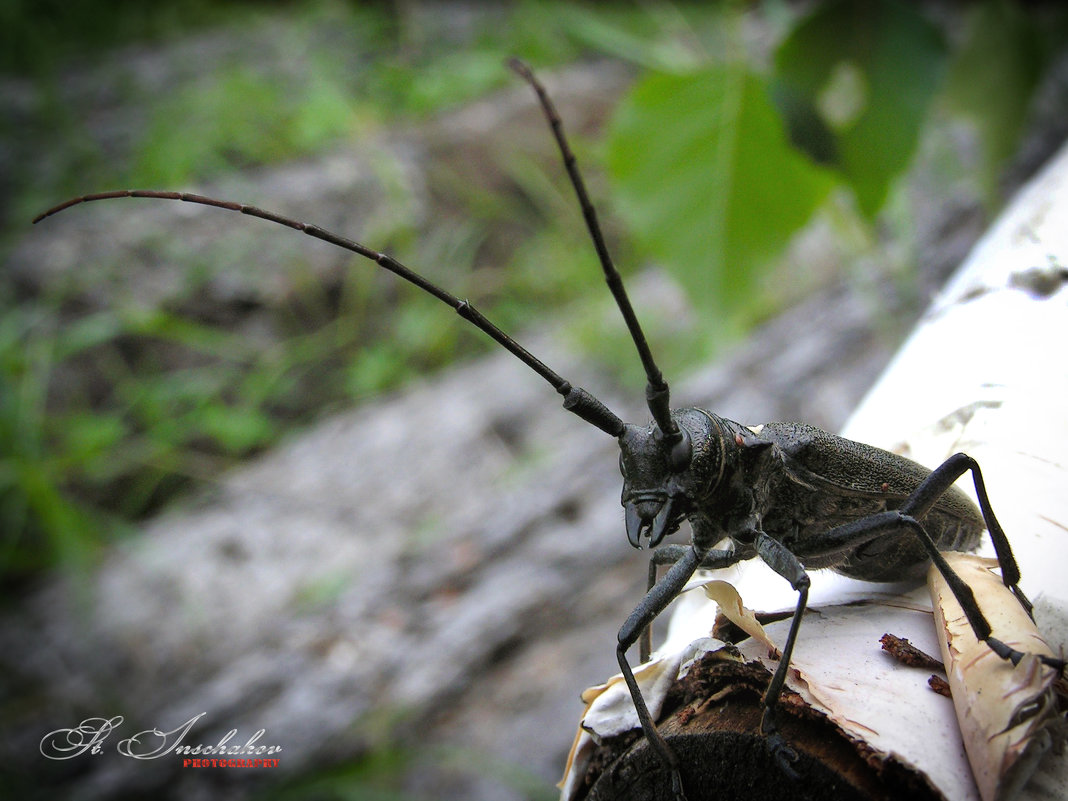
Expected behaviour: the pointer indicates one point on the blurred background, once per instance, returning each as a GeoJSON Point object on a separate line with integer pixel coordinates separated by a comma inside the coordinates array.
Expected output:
{"type": "Point", "coordinates": [256, 476]}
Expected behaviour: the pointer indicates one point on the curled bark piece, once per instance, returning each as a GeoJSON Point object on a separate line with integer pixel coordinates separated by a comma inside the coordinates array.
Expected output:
{"type": "Point", "coordinates": [731, 607]}
{"type": "Point", "coordinates": [1008, 714]}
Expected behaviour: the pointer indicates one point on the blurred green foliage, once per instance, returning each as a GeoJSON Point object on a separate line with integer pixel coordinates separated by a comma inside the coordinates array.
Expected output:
{"type": "Point", "coordinates": [722, 154]}
{"type": "Point", "coordinates": [725, 147]}
{"type": "Point", "coordinates": [201, 130]}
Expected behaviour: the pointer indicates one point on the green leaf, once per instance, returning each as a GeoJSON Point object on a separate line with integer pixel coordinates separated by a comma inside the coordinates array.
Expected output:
{"type": "Point", "coordinates": [708, 182]}
{"type": "Point", "coordinates": [869, 69]}
{"type": "Point", "coordinates": [992, 80]}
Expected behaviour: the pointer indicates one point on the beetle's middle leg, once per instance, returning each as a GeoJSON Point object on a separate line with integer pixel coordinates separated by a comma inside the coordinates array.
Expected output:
{"type": "Point", "coordinates": [920, 502]}
{"type": "Point", "coordinates": [780, 559]}
{"type": "Point", "coordinates": [685, 560]}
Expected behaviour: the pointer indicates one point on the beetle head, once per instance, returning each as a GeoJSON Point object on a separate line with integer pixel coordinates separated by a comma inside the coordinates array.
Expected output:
{"type": "Point", "coordinates": [663, 481]}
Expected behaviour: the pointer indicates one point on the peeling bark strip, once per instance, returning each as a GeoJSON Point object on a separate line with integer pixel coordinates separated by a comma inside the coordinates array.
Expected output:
{"type": "Point", "coordinates": [1010, 716]}
{"type": "Point", "coordinates": [974, 377]}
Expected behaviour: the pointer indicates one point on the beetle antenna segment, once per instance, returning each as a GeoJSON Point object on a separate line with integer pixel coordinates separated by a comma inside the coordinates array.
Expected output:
{"type": "Point", "coordinates": [576, 399]}
{"type": "Point", "coordinates": [656, 389]}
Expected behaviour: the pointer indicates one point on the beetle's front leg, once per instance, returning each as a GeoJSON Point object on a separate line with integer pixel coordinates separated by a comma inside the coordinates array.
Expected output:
{"type": "Point", "coordinates": [669, 555]}
{"type": "Point", "coordinates": [654, 602]}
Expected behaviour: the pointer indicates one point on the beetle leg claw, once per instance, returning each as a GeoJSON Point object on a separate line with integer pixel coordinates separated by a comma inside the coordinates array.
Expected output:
{"type": "Point", "coordinates": [783, 754]}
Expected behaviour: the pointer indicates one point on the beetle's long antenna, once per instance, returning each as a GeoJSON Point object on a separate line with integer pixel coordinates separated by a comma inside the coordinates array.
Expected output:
{"type": "Point", "coordinates": [656, 388]}
{"type": "Point", "coordinates": [576, 399]}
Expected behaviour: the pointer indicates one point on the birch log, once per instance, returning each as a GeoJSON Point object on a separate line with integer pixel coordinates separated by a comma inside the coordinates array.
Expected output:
{"type": "Point", "coordinates": [985, 373]}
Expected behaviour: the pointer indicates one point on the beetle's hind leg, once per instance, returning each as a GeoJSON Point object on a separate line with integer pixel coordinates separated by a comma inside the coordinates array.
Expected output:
{"type": "Point", "coordinates": [850, 536]}
{"type": "Point", "coordinates": [936, 484]}
{"type": "Point", "coordinates": [917, 505]}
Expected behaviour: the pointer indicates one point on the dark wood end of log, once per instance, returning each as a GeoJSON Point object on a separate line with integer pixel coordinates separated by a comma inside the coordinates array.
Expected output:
{"type": "Point", "coordinates": [712, 722]}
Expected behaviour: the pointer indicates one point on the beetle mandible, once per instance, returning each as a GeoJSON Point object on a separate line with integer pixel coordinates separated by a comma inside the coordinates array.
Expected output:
{"type": "Point", "coordinates": [794, 495]}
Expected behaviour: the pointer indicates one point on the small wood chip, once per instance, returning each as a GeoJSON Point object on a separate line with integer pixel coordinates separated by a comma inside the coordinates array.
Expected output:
{"type": "Point", "coordinates": [939, 685]}
{"type": "Point", "coordinates": [908, 654]}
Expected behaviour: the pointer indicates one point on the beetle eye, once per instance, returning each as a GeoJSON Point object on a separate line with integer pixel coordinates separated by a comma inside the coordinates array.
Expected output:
{"type": "Point", "coordinates": [681, 452]}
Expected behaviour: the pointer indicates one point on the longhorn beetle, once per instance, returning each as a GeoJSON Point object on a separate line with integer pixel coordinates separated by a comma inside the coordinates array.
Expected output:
{"type": "Point", "coordinates": [794, 495]}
